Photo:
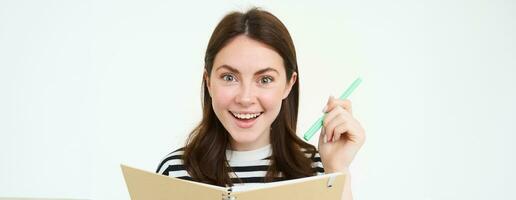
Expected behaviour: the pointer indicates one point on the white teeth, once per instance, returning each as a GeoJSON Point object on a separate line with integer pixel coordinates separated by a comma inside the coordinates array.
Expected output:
{"type": "Point", "coordinates": [246, 116]}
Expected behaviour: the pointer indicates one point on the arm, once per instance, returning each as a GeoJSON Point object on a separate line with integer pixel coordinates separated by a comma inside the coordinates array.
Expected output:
{"type": "Point", "coordinates": [346, 191]}
{"type": "Point", "coordinates": [340, 140]}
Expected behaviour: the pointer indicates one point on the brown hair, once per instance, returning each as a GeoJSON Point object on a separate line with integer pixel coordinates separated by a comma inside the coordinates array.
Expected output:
{"type": "Point", "coordinates": [204, 155]}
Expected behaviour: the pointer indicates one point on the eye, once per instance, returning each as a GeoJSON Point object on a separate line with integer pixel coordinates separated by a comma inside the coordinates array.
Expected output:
{"type": "Point", "coordinates": [266, 80]}
{"type": "Point", "coordinates": [228, 77]}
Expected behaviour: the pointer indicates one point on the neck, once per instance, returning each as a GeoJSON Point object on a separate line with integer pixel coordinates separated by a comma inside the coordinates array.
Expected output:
{"type": "Point", "coordinates": [262, 141]}
{"type": "Point", "coordinates": [247, 147]}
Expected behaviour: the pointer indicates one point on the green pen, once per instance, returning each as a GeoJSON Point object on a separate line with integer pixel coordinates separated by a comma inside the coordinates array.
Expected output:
{"type": "Point", "coordinates": [318, 124]}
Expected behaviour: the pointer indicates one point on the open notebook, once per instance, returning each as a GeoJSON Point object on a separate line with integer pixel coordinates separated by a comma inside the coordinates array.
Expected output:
{"type": "Point", "coordinates": [143, 185]}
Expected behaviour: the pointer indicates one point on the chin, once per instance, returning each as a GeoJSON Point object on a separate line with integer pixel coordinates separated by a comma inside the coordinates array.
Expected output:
{"type": "Point", "coordinates": [244, 137]}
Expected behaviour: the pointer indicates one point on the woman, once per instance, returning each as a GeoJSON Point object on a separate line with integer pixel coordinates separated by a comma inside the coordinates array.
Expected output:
{"type": "Point", "coordinates": [250, 104]}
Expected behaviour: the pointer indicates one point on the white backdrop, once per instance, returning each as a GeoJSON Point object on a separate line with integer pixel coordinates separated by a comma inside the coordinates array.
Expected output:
{"type": "Point", "coordinates": [85, 86]}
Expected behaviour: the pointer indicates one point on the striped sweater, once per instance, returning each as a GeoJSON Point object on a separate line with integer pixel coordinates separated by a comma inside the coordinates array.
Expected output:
{"type": "Point", "coordinates": [249, 167]}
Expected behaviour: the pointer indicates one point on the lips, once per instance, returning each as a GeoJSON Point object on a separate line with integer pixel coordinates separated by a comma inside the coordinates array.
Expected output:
{"type": "Point", "coordinates": [245, 119]}
{"type": "Point", "coordinates": [246, 115]}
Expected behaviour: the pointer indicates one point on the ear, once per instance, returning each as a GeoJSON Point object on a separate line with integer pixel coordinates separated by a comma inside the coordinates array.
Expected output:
{"type": "Point", "coordinates": [291, 83]}
{"type": "Point", "coordinates": [207, 81]}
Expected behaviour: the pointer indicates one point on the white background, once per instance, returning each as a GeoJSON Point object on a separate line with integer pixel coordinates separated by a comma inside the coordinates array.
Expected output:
{"type": "Point", "coordinates": [85, 86]}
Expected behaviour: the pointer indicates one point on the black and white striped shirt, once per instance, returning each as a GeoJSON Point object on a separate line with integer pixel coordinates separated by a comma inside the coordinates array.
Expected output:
{"type": "Point", "coordinates": [250, 167]}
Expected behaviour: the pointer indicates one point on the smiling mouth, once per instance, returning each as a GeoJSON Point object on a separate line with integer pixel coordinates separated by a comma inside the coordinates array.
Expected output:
{"type": "Point", "coordinates": [246, 116]}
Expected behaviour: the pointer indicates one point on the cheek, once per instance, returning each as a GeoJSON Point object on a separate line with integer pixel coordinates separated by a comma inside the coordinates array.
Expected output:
{"type": "Point", "coordinates": [221, 97]}
{"type": "Point", "coordinates": [272, 101]}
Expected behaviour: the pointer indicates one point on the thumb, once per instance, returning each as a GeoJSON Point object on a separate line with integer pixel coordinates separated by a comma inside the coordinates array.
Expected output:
{"type": "Point", "coordinates": [330, 98]}
{"type": "Point", "coordinates": [326, 107]}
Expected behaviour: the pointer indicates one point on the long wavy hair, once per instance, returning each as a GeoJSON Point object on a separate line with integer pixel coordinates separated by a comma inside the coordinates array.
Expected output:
{"type": "Point", "coordinates": [204, 155]}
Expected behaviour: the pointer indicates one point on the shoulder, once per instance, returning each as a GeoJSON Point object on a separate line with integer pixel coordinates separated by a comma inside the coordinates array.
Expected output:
{"type": "Point", "coordinates": [172, 164]}
{"type": "Point", "coordinates": [317, 165]}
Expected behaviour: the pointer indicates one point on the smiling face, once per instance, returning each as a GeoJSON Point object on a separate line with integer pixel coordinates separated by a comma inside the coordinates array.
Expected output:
{"type": "Point", "coordinates": [247, 84]}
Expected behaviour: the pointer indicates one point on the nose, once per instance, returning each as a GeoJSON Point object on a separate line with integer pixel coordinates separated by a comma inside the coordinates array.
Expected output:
{"type": "Point", "coordinates": [245, 95]}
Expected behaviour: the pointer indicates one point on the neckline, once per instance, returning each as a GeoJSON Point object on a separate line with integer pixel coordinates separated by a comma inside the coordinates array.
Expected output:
{"type": "Point", "coordinates": [257, 154]}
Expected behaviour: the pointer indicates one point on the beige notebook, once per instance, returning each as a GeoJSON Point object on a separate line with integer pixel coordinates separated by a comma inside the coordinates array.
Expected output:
{"type": "Point", "coordinates": [143, 185]}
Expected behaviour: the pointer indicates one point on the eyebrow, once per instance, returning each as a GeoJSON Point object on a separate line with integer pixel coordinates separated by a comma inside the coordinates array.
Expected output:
{"type": "Point", "coordinates": [261, 71]}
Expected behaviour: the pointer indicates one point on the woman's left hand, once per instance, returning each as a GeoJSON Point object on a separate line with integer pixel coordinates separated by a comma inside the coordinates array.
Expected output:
{"type": "Point", "coordinates": [341, 136]}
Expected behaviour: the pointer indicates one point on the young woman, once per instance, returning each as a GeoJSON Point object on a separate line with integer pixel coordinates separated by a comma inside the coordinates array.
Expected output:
{"type": "Point", "coordinates": [250, 104]}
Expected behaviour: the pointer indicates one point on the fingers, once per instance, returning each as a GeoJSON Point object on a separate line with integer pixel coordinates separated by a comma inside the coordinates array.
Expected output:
{"type": "Point", "coordinates": [335, 123]}
{"type": "Point", "coordinates": [340, 131]}
{"type": "Point", "coordinates": [331, 115]}
{"type": "Point", "coordinates": [333, 102]}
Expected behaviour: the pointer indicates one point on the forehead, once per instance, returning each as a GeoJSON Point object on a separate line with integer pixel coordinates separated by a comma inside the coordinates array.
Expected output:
{"type": "Point", "coordinates": [248, 56]}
